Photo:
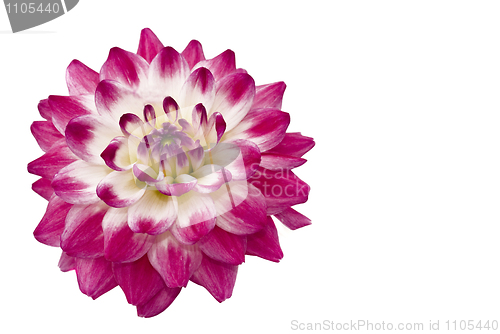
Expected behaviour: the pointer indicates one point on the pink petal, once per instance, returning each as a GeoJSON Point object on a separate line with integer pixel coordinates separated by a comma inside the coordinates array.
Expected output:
{"type": "Point", "coordinates": [265, 243]}
{"type": "Point", "coordinates": [240, 157]}
{"type": "Point", "coordinates": [269, 96]}
{"type": "Point", "coordinates": [45, 134]}
{"type": "Point", "coordinates": [51, 162]}
{"type": "Point", "coordinates": [293, 144]}
{"type": "Point", "coordinates": [158, 303]}
{"type": "Point", "coordinates": [149, 45]}
{"type": "Point", "coordinates": [45, 110]}
{"type": "Point", "coordinates": [119, 189]}
{"type": "Point", "coordinates": [65, 108]}
{"type": "Point", "coordinates": [139, 280]}
{"type": "Point", "coordinates": [168, 72]}
{"type": "Point", "coordinates": [81, 79]}
{"type": "Point", "coordinates": [198, 88]}
{"type": "Point", "coordinates": [241, 208]}
{"type": "Point", "coordinates": [233, 98]}
{"type": "Point", "coordinates": [121, 244]}
{"type": "Point", "coordinates": [217, 277]}
{"type": "Point", "coordinates": [278, 161]}
{"type": "Point", "coordinates": [43, 188]}
{"type": "Point", "coordinates": [171, 109]}
{"type": "Point", "coordinates": [220, 66]}
{"type": "Point", "coordinates": [125, 67]}
{"type": "Point", "coordinates": [51, 226]}
{"type": "Point", "coordinates": [89, 135]}
{"type": "Point", "coordinates": [175, 261]}
{"type": "Point", "coordinates": [210, 178]}
{"type": "Point", "coordinates": [293, 219]}
{"type": "Point", "coordinates": [193, 53]}
{"type": "Point", "coordinates": [265, 127]}
{"type": "Point", "coordinates": [154, 213]}
{"type": "Point", "coordinates": [216, 126]}
{"type": "Point", "coordinates": [66, 262]}
{"type": "Point", "coordinates": [115, 99]}
{"type": "Point", "coordinates": [116, 155]}
{"type": "Point", "coordinates": [223, 246]}
{"type": "Point", "coordinates": [95, 276]}
{"type": "Point", "coordinates": [83, 234]}
{"type": "Point", "coordinates": [196, 217]}
{"type": "Point", "coordinates": [281, 189]}
{"type": "Point", "coordinates": [77, 182]}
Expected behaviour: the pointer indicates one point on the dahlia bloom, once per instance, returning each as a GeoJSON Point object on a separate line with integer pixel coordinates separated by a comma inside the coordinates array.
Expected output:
{"type": "Point", "coordinates": [165, 168]}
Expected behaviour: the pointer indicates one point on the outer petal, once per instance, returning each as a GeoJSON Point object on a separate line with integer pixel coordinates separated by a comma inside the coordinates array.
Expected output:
{"type": "Point", "coordinates": [77, 182]}
{"type": "Point", "coordinates": [264, 127]}
{"type": "Point", "coordinates": [51, 162]}
{"type": "Point", "coordinates": [89, 135]}
{"type": "Point", "coordinates": [196, 217]}
{"type": "Point", "coordinates": [293, 219]}
{"type": "Point", "coordinates": [45, 134]}
{"type": "Point", "coordinates": [51, 226]}
{"type": "Point", "coordinates": [43, 188]}
{"type": "Point", "coordinates": [193, 53]}
{"type": "Point", "coordinates": [121, 244]}
{"type": "Point", "coordinates": [66, 262]}
{"type": "Point", "coordinates": [269, 96]}
{"type": "Point", "coordinates": [81, 79]}
{"type": "Point", "coordinates": [278, 161]}
{"type": "Point", "coordinates": [265, 243]}
{"type": "Point", "coordinates": [218, 278]}
{"type": "Point", "coordinates": [233, 98]}
{"type": "Point", "coordinates": [293, 144]}
{"type": "Point", "coordinates": [115, 99]}
{"type": "Point", "coordinates": [158, 303]}
{"type": "Point", "coordinates": [139, 280]}
{"type": "Point", "coordinates": [242, 208]}
{"type": "Point", "coordinates": [224, 247]}
{"type": "Point", "coordinates": [154, 213]}
{"type": "Point", "coordinates": [125, 67]}
{"type": "Point", "coordinates": [220, 66]}
{"type": "Point", "coordinates": [119, 189]}
{"type": "Point", "coordinates": [149, 45]}
{"type": "Point", "coordinates": [95, 276]}
{"type": "Point", "coordinates": [240, 157]}
{"type": "Point", "coordinates": [198, 88]}
{"type": "Point", "coordinates": [65, 108]}
{"type": "Point", "coordinates": [167, 73]}
{"type": "Point", "coordinates": [45, 110]}
{"type": "Point", "coordinates": [174, 261]}
{"type": "Point", "coordinates": [83, 235]}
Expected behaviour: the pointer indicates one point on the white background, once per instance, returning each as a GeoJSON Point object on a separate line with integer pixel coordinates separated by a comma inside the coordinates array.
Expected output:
{"type": "Point", "coordinates": [403, 100]}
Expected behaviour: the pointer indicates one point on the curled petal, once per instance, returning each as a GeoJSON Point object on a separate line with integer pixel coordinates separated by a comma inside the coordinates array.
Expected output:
{"type": "Point", "coordinates": [119, 189]}
{"type": "Point", "coordinates": [150, 115]}
{"type": "Point", "coordinates": [171, 109]}
{"type": "Point", "coordinates": [81, 79]}
{"type": "Point", "coordinates": [158, 303]}
{"type": "Point", "coordinates": [131, 124]}
{"type": "Point", "coordinates": [65, 108]}
{"type": "Point", "coordinates": [121, 244]}
{"type": "Point", "coordinates": [66, 262]}
{"type": "Point", "coordinates": [175, 261]}
{"type": "Point", "coordinates": [168, 71]}
{"type": "Point", "coordinates": [293, 144]}
{"type": "Point", "coordinates": [116, 155]}
{"type": "Point", "coordinates": [269, 96]}
{"type": "Point", "coordinates": [145, 173]}
{"type": "Point", "coordinates": [224, 247]}
{"type": "Point", "coordinates": [154, 213]}
{"type": "Point", "coordinates": [43, 188]}
{"type": "Point", "coordinates": [95, 276]}
{"type": "Point", "coordinates": [199, 117]}
{"type": "Point", "coordinates": [215, 129]}
{"type": "Point", "coordinates": [265, 243]}
{"type": "Point", "coordinates": [45, 134]}
{"type": "Point", "coordinates": [217, 277]}
{"type": "Point", "coordinates": [51, 162]}
{"type": "Point", "coordinates": [51, 226]}
{"type": "Point", "coordinates": [149, 45]}
{"type": "Point", "coordinates": [193, 53]}
{"type": "Point", "coordinates": [210, 178]}
{"type": "Point", "coordinates": [125, 67]}
{"type": "Point", "coordinates": [198, 88]}
{"type": "Point", "coordinates": [183, 184]}
{"type": "Point", "coordinates": [293, 219]}
{"type": "Point", "coordinates": [221, 66]}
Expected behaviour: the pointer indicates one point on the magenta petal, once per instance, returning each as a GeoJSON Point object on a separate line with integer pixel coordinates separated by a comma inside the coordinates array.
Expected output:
{"type": "Point", "coordinates": [175, 261]}
{"type": "Point", "coordinates": [265, 243]}
{"type": "Point", "coordinates": [51, 162]}
{"type": "Point", "coordinates": [171, 108]}
{"type": "Point", "coordinates": [77, 182]}
{"type": "Point", "coordinates": [154, 213]}
{"type": "Point", "coordinates": [269, 96]}
{"type": "Point", "coordinates": [45, 134]}
{"type": "Point", "coordinates": [81, 79]}
{"type": "Point", "coordinates": [220, 66]}
{"type": "Point", "coordinates": [51, 226]}
{"type": "Point", "coordinates": [139, 280]}
{"type": "Point", "coordinates": [114, 99]}
{"type": "Point", "coordinates": [119, 189]}
{"type": "Point", "coordinates": [83, 235]}
{"type": "Point", "coordinates": [198, 88]}
{"type": "Point", "coordinates": [293, 144]}
{"type": "Point", "coordinates": [45, 110]}
{"type": "Point", "coordinates": [293, 219]}
{"type": "Point", "coordinates": [193, 53]}
{"type": "Point", "coordinates": [125, 67]}
{"type": "Point", "coordinates": [116, 155]}
{"type": "Point", "coordinates": [265, 127]}
{"type": "Point", "coordinates": [149, 45]}
{"type": "Point", "coordinates": [210, 178]}
{"type": "Point", "coordinates": [216, 126]}
{"type": "Point", "coordinates": [66, 262]}
{"type": "Point", "coordinates": [224, 247]}
{"type": "Point", "coordinates": [121, 244]}
{"type": "Point", "coordinates": [218, 278]}
{"type": "Point", "coordinates": [240, 157]}
{"type": "Point", "coordinates": [278, 161]}
{"type": "Point", "coordinates": [43, 188]}
{"type": "Point", "coordinates": [95, 276]}
{"type": "Point", "coordinates": [168, 71]}
{"type": "Point", "coordinates": [158, 303]}
{"type": "Point", "coordinates": [65, 108]}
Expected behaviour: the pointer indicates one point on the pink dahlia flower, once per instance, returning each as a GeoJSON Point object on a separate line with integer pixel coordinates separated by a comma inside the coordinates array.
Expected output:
{"type": "Point", "coordinates": [165, 168]}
